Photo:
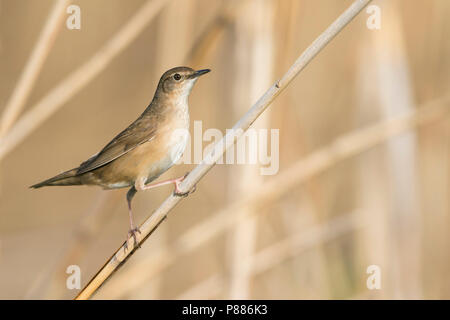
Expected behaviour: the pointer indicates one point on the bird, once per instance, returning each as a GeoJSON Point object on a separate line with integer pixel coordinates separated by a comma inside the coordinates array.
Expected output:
{"type": "Point", "coordinates": [147, 148]}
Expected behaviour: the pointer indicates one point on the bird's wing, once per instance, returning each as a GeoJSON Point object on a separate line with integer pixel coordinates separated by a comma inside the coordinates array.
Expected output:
{"type": "Point", "coordinates": [137, 133]}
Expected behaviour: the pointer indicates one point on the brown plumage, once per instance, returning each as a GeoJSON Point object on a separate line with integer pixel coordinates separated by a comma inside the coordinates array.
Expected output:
{"type": "Point", "coordinates": [144, 150]}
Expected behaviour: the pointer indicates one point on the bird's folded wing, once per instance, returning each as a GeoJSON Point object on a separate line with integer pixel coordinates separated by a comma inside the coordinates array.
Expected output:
{"type": "Point", "coordinates": [137, 133]}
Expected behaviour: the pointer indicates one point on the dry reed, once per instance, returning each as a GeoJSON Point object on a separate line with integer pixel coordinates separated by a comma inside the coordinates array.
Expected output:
{"type": "Point", "coordinates": [244, 123]}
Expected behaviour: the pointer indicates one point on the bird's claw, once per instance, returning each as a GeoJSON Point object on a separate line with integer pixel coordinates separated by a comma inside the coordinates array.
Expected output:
{"type": "Point", "coordinates": [177, 191]}
{"type": "Point", "coordinates": [132, 234]}
{"type": "Point", "coordinates": [184, 194]}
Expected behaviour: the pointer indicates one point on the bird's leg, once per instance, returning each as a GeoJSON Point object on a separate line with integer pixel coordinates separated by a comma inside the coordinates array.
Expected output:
{"type": "Point", "coordinates": [133, 229]}
{"type": "Point", "coordinates": [140, 185]}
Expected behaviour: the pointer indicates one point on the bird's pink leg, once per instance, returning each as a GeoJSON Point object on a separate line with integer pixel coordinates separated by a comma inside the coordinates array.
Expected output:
{"type": "Point", "coordinates": [133, 229]}
{"type": "Point", "coordinates": [140, 185]}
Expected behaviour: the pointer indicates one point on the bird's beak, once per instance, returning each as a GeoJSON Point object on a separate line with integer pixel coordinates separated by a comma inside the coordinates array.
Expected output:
{"type": "Point", "coordinates": [199, 73]}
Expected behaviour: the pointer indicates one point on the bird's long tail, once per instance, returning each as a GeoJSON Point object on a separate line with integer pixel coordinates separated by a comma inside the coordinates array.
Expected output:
{"type": "Point", "coordinates": [68, 178]}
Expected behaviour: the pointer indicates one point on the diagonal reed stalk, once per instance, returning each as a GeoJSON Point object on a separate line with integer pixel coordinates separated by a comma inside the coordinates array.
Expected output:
{"type": "Point", "coordinates": [158, 216]}
{"type": "Point", "coordinates": [341, 149]}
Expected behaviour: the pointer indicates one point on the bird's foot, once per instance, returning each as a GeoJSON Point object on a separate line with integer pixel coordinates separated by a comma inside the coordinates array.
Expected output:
{"type": "Point", "coordinates": [132, 234]}
{"type": "Point", "coordinates": [184, 194]}
{"type": "Point", "coordinates": [180, 193]}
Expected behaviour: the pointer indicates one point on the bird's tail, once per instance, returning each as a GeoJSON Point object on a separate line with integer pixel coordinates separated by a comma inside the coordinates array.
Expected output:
{"type": "Point", "coordinates": [68, 178]}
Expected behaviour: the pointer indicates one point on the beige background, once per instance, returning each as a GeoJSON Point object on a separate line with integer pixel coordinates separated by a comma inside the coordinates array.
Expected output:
{"type": "Point", "coordinates": [387, 206]}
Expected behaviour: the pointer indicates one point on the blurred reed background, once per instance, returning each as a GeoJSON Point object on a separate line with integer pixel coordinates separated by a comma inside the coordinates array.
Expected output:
{"type": "Point", "coordinates": [364, 147]}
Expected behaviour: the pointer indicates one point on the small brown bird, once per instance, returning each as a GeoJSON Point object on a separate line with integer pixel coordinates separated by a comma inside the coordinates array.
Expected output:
{"type": "Point", "coordinates": [146, 149]}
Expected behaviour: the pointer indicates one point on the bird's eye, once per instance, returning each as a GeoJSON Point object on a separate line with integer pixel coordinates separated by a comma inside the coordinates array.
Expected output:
{"type": "Point", "coordinates": [177, 76]}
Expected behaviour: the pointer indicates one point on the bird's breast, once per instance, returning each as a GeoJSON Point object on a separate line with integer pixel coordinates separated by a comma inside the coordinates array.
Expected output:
{"type": "Point", "coordinates": [171, 139]}
{"type": "Point", "coordinates": [177, 135]}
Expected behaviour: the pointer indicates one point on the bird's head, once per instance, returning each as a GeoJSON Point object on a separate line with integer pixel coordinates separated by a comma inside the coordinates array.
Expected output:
{"type": "Point", "coordinates": [178, 82]}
